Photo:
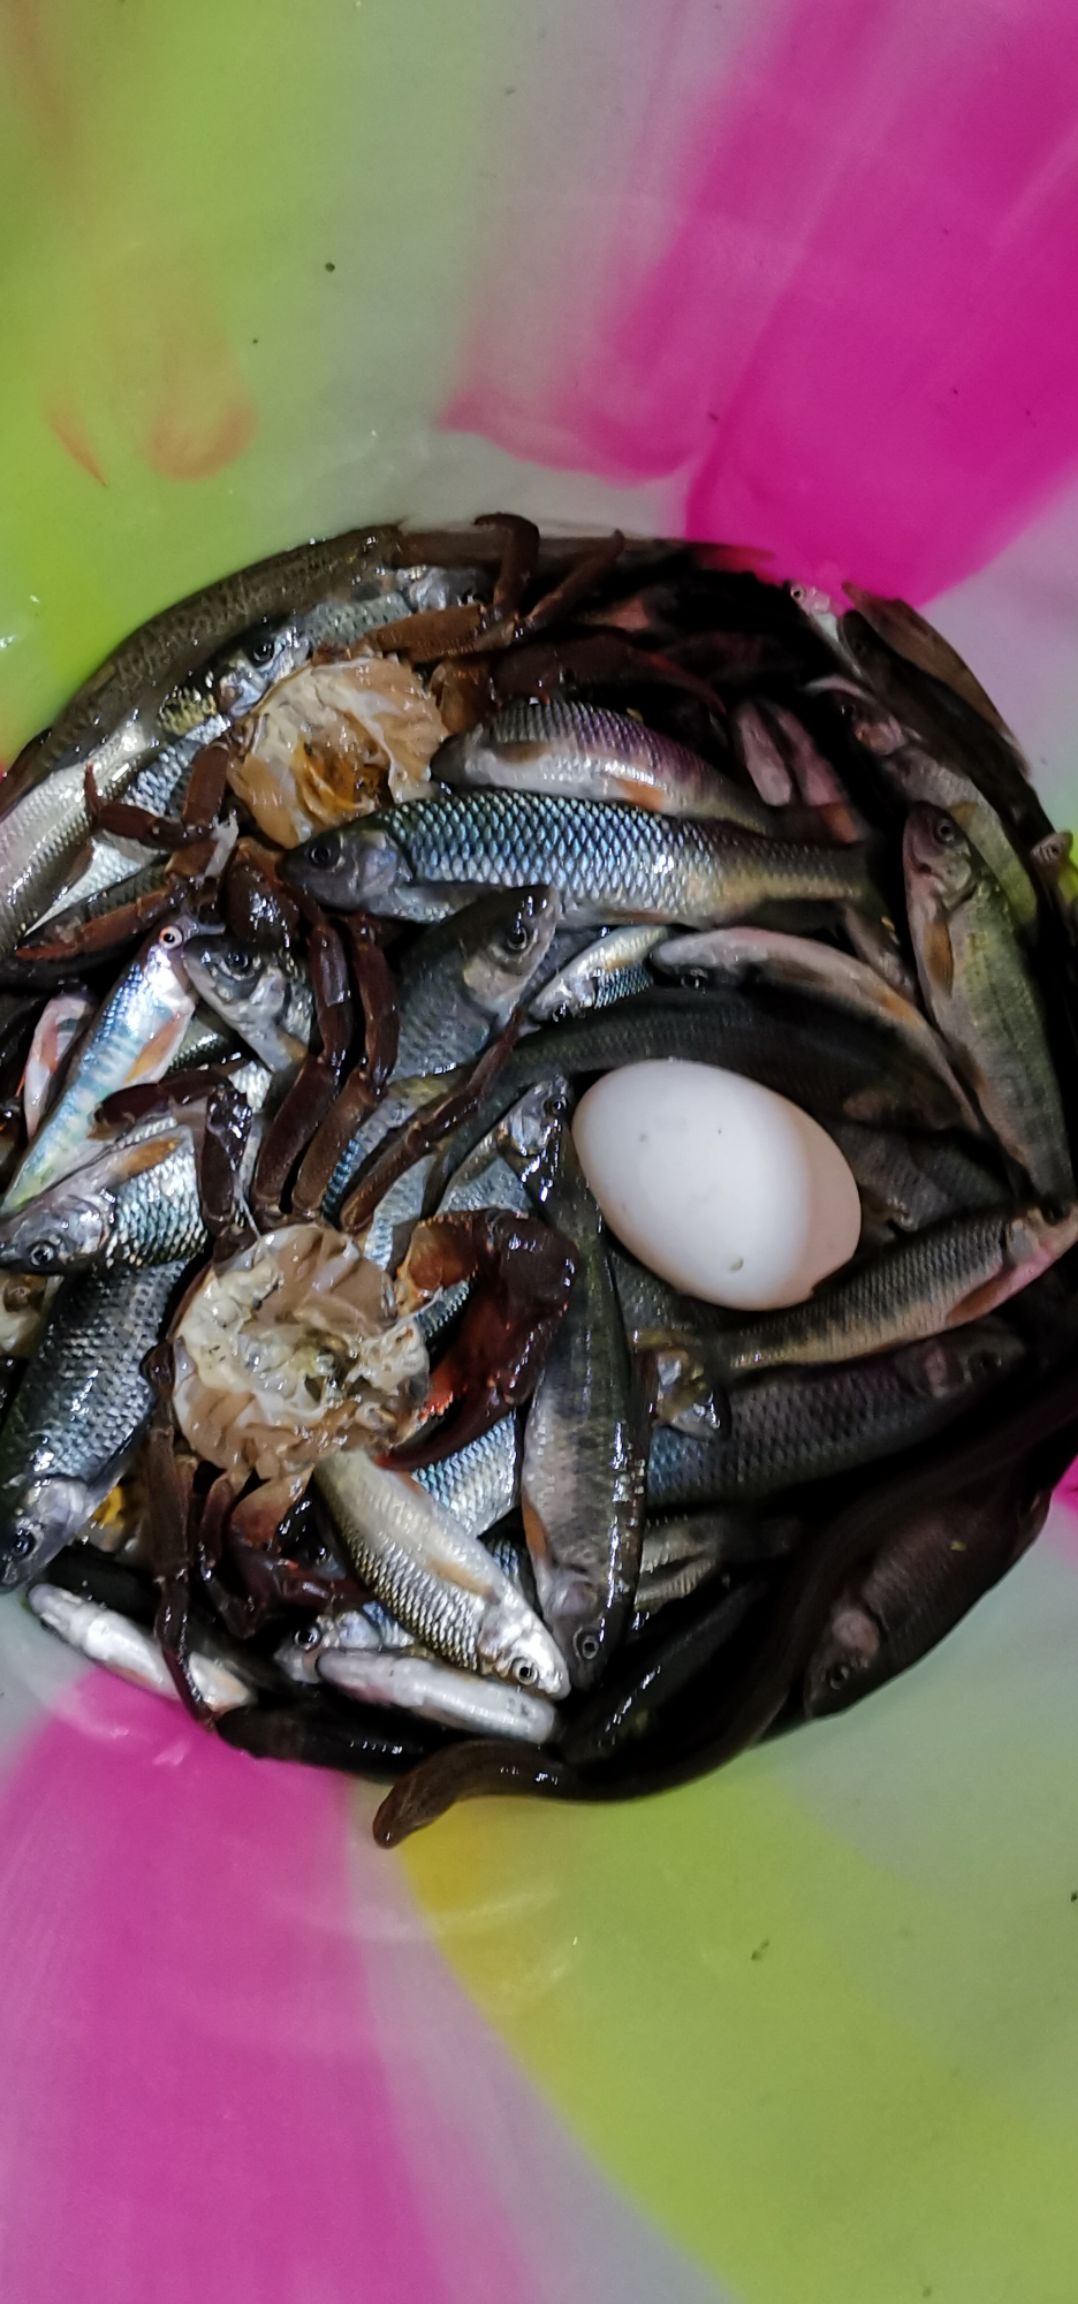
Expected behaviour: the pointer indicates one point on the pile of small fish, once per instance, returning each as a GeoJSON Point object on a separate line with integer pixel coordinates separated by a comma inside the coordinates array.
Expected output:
{"type": "Point", "coordinates": [332, 1409]}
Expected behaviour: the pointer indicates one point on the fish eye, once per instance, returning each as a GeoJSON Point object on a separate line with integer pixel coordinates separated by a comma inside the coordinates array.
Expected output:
{"type": "Point", "coordinates": [241, 963]}
{"type": "Point", "coordinates": [837, 1675]}
{"type": "Point", "coordinates": [260, 646]}
{"type": "Point", "coordinates": [518, 936]}
{"type": "Point", "coordinates": [983, 1362]}
{"type": "Point", "coordinates": [322, 854]}
{"type": "Point", "coordinates": [21, 1545]}
{"type": "Point", "coordinates": [39, 1256]}
{"type": "Point", "coordinates": [308, 1637]}
{"type": "Point", "coordinates": [525, 1673]}
{"type": "Point", "coordinates": [170, 937]}
{"type": "Point", "coordinates": [946, 832]}
{"type": "Point", "coordinates": [586, 1645]}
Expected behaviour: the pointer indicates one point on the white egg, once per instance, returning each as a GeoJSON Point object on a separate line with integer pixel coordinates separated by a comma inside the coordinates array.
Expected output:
{"type": "Point", "coordinates": [722, 1187]}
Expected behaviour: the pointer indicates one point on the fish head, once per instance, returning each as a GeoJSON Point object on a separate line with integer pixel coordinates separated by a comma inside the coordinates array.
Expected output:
{"type": "Point", "coordinates": [508, 938]}
{"type": "Point", "coordinates": [529, 1136]}
{"type": "Point", "coordinates": [963, 1360]}
{"type": "Point", "coordinates": [162, 961]}
{"type": "Point", "coordinates": [577, 1616]}
{"type": "Point", "coordinates": [249, 988]}
{"type": "Point", "coordinates": [940, 863]}
{"type": "Point", "coordinates": [298, 1657]}
{"type": "Point", "coordinates": [226, 973]}
{"type": "Point", "coordinates": [64, 1230]}
{"type": "Point", "coordinates": [265, 653]}
{"type": "Point", "coordinates": [1036, 1238]}
{"type": "Point", "coordinates": [64, 1612]}
{"type": "Point", "coordinates": [846, 1662]}
{"type": "Point", "coordinates": [870, 723]}
{"type": "Point", "coordinates": [513, 1644]}
{"type": "Point", "coordinates": [37, 1518]}
{"type": "Point", "coordinates": [354, 868]}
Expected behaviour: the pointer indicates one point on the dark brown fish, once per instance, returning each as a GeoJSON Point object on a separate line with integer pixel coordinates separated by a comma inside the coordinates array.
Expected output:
{"type": "Point", "coordinates": [917, 1588]}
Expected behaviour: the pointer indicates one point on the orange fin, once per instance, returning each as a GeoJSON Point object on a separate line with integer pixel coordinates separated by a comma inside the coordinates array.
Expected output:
{"type": "Point", "coordinates": [157, 1055]}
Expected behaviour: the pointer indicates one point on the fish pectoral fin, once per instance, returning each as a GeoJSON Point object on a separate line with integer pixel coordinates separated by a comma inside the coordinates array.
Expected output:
{"type": "Point", "coordinates": [448, 1556]}
{"type": "Point", "coordinates": [938, 957]}
{"type": "Point", "coordinates": [134, 1159]}
{"type": "Point", "coordinates": [977, 1304]}
{"type": "Point", "coordinates": [535, 1535]}
{"type": "Point", "coordinates": [638, 793]}
{"type": "Point", "coordinates": [156, 1055]}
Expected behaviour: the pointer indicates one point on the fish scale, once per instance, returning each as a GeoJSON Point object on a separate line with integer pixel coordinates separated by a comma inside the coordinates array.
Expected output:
{"type": "Point", "coordinates": [582, 1484]}
{"type": "Point", "coordinates": [481, 1483]}
{"type": "Point", "coordinates": [444, 1021]}
{"type": "Point", "coordinates": [40, 838]}
{"type": "Point", "coordinates": [84, 1398]}
{"type": "Point", "coordinates": [810, 1425]}
{"type": "Point", "coordinates": [607, 859]}
{"type": "Point", "coordinates": [434, 1575]}
{"type": "Point", "coordinates": [826, 1063]}
{"type": "Point", "coordinates": [158, 1218]}
{"type": "Point", "coordinates": [915, 1288]}
{"type": "Point", "coordinates": [585, 751]}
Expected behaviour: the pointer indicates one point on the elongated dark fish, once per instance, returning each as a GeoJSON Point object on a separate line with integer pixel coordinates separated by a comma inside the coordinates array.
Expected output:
{"type": "Point", "coordinates": [761, 955]}
{"type": "Point", "coordinates": [832, 1065]}
{"type": "Point", "coordinates": [146, 665]}
{"type": "Point", "coordinates": [980, 989]}
{"type": "Point", "coordinates": [919, 1586]}
{"type": "Point", "coordinates": [371, 1743]}
{"type": "Point", "coordinates": [638, 1687]}
{"type": "Point", "coordinates": [935, 1280]}
{"type": "Point", "coordinates": [910, 1181]}
{"type": "Point", "coordinates": [607, 862]}
{"type": "Point", "coordinates": [790, 1428]}
{"type": "Point", "coordinates": [581, 751]}
{"type": "Point", "coordinates": [918, 776]}
{"type": "Point", "coordinates": [78, 1412]}
{"type": "Point", "coordinates": [582, 1484]}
